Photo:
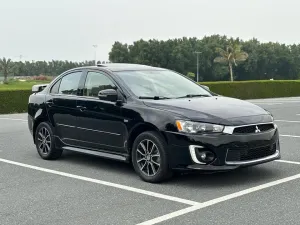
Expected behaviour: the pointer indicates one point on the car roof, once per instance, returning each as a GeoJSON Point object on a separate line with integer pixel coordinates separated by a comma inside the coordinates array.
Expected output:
{"type": "Point", "coordinates": [115, 67]}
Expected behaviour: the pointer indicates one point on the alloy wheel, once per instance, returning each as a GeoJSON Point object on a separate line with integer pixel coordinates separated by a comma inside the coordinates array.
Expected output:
{"type": "Point", "coordinates": [44, 141]}
{"type": "Point", "coordinates": [148, 157]}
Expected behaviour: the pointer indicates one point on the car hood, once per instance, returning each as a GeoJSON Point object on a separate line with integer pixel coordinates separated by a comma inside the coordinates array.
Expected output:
{"type": "Point", "coordinates": [220, 110]}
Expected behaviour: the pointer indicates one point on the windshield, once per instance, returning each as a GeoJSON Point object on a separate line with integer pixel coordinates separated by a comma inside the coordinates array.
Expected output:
{"type": "Point", "coordinates": [162, 83]}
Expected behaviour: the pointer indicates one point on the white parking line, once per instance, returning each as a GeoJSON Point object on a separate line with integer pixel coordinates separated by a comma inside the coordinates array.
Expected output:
{"type": "Point", "coordinates": [289, 162]}
{"type": "Point", "coordinates": [288, 121]}
{"type": "Point", "coordinates": [260, 103]}
{"type": "Point", "coordinates": [273, 102]}
{"type": "Point", "coordinates": [119, 186]}
{"type": "Point", "coordinates": [5, 118]}
{"type": "Point", "coordinates": [218, 200]}
{"type": "Point", "coordinates": [286, 135]}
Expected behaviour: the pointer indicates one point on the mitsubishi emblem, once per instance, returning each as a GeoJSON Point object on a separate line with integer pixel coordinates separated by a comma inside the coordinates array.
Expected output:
{"type": "Point", "coordinates": [257, 130]}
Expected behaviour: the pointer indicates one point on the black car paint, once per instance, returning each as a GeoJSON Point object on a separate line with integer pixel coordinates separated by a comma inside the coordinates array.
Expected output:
{"type": "Point", "coordinates": [95, 126]}
{"type": "Point", "coordinates": [220, 110]}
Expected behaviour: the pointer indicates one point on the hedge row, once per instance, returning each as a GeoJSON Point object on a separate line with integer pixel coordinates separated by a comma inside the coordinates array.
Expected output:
{"type": "Point", "coordinates": [15, 101]}
{"type": "Point", "coordinates": [256, 89]}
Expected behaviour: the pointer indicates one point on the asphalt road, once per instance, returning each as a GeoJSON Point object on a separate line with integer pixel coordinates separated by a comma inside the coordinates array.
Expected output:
{"type": "Point", "coordinates": [81, 189]}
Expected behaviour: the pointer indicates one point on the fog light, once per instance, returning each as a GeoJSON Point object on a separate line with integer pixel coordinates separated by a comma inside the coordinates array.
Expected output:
{"type": "Point", "coordinates": [205, 156]}
{"type": "Point", "coordinates": [201, 154]}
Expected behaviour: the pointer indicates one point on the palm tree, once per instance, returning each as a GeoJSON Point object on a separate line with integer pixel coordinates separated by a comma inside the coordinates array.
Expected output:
{"type": "Point", "coordinates": [231, 56]}
{"type": "Point", "coordinates": [6, 66]}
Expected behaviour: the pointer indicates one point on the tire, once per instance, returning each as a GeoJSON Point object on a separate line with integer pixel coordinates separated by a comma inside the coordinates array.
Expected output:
{"type": "Point", "coordinates": [147, 166]}
{"type": "Point", "coordinates": [47, 150]}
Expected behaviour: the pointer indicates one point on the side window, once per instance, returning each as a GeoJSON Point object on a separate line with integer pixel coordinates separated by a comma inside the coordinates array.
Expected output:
{"type": "Point", "coordinates": [95, 82]}
{"type": "Point", "coordinates": [69, 84]}
{"type": "Point", "coordinates": [55, 87]}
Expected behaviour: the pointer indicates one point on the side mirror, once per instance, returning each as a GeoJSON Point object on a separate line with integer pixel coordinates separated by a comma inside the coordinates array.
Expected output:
{"type": "Point", "coordinates": [205, 87]}
{"type": "Point", "coordinates": [38, 88]}
{"type": "Point", "coordinates": [108, 95]}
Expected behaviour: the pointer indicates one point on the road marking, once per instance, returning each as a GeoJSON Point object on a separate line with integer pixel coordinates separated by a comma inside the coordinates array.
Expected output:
{"type": "Point", "coordinates": [4, 118]}
{"type": "Point", "coordinates": [286, 161]}
{"type": "Point", "coordinates": [119, 186]}
{"type": "Point", "coordinates": [274, 102]}
{"type": "Point", "coordinates": [171, 215]}
{"type": "Point", "coordinates": [293, 136]}
{"type": "Point", "coordinates": [218, 200]}
{"type": "Point", "coordinates": [288, 121]}
{"type": "Point", "coordinates": [260, 103]}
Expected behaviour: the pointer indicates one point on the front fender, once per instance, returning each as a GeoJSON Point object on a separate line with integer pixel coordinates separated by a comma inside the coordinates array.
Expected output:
{"type": "Point", "coordinates": [158, 119]}
{"type": "Point", "coordinates": [37, 112]}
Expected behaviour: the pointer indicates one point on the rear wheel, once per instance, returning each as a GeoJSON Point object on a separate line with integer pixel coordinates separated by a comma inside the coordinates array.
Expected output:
{"type": "Point", "coordinates": [44, 141]}
{"type": "Point", "coordinates": [149, 157]}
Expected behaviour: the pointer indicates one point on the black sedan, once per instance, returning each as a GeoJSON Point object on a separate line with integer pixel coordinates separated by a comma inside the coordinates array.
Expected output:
{"type": "Point", "coordinates": [154, 118]}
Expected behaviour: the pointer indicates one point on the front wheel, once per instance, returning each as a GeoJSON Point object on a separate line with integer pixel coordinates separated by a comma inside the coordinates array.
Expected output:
{"type": "Point", "coordinates": [149, 157]}
{"type": "Point", "coordinates": [44, 141]}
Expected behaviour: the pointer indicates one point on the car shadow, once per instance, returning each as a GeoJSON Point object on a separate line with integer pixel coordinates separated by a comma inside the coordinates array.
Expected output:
{"type": "Point", "coordinates": [256, 174]}
{"type": "Point", "coordinates": [97, 162]}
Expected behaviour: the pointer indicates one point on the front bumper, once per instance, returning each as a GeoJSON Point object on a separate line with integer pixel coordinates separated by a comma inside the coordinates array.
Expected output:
{"type": "Point", "coordinates": [235, 164]}
{"type": "Point", "coordinates": [231, 151]}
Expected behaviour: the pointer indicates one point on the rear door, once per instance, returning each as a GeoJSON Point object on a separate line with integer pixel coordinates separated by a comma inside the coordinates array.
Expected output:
{"type": "Point", "coordinates": [61, 107]}
{"type": "Point", "coordinates": [101, 124]}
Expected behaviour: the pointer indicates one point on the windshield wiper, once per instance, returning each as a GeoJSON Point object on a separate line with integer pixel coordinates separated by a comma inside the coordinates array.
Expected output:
{"type": "Point", "coordinates": [191, 96]}
{"type": "Point", "coordinates": [153, 97]}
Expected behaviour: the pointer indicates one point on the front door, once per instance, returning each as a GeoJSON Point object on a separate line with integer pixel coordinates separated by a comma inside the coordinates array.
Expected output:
{"type": "Point", "coordinates": [61, 107]}
{"type": "Point", "coordinates": [100, 123]}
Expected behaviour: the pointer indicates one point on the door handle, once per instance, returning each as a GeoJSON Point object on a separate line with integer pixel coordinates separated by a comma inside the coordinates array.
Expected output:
{"type": "Point", "coordinates": [81, 108]}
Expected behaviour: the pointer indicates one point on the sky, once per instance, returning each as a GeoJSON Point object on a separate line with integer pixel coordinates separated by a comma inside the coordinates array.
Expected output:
{"type": "Point", "coordinates": [68, 29]}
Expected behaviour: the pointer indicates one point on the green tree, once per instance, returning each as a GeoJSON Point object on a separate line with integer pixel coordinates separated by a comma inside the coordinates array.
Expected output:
{"type": "Point", "coordinates": [264, 60]}
{"type": "Point", "coordinates": [191, 75]}
{"type": "Point", "coordinates": [231, 56]}
{"type": "Point", "coordinates": [6, 67]}
{"type": "Point", "coordinates": [119, 53]}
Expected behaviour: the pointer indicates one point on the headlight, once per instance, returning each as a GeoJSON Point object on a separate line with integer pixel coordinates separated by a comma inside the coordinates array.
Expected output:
{"type": "Point", "coordinates": [270, 115]}
{"type": "Point", "coordinates": [195, 127]}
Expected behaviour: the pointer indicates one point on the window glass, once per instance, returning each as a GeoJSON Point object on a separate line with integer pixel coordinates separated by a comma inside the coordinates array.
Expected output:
{"type": "Point", "coordinates": [95, 82]}
{"type": "Point", "coordinates": [69, 83]}
{"type": "Point", "coordinates": [164, 83]}
{"type": "Point", "coordinates": [55, 88]}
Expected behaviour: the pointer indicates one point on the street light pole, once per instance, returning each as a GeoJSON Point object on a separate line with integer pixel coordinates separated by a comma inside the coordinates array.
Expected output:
{"type": "Point", "coordinates": [197, 66]}
{"type": "Point", "coordinates": [95, 46]}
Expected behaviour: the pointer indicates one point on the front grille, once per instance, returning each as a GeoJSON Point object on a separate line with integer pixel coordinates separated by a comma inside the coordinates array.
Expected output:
{"type": "Point", "coordinates": [253, 128]}
{"type": "Point", "coordinates": [248, 152]}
